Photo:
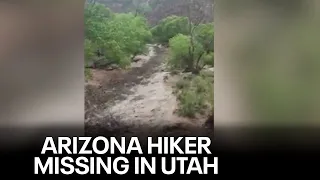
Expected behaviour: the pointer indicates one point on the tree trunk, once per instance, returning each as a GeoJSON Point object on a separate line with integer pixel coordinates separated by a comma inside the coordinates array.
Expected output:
{"type": "Point", "coordinates": [190, 66]}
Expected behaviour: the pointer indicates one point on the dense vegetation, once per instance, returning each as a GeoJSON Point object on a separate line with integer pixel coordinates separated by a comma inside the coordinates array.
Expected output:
{"type": "Point", "coordinates": [195, 94]}
{"type": "Point", "coordinates": [191, 49]}
{"type": "Point", "coordinates": [114, 38]}
{"type": "Point", "coordinates": [191, 45]}
{"type": "Point", "coordinates": [170, 27]}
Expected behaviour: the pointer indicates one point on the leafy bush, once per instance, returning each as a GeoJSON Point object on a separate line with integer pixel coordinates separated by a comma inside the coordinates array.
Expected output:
{"type": "Point", "coordinates": [89, 51]}
{"type": "Point", "coordinates": [195, 95]}
{"type": "Point", "coordinates": [170, 27]}
{"type": "Point", "coordinates": [135, 32]}
{"type": "Point", "coordinates": [87, 74]}
{"type": "Point", "coordinates": [204, 34]}
{"type": "Point", "coordinates": [183, 83]}
{"type": "Point", "coordinates": [186, 54]}
{"type": "Point", "coordinates": [178, 51]}
{"type": "Point", "coordinates": [208, 59]}
{"type": "Point", "coordinates": [95, 16]}
{"type": "Point", "coordinates": [115, 36]}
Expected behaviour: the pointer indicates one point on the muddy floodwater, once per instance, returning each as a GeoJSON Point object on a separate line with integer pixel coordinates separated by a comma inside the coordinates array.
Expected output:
{"type": "Point", "coordinates": [138, 96]}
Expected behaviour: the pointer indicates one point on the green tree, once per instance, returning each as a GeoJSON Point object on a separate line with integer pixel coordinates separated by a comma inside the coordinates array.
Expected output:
{"type": "Point", "coordinates": [192, 52]}
{"type": "Point", "coordinates": [170, 27]}
{"type": "Point", "coordinates": [204, 34]}
{"type": "Point", "coordinates": [114, 37]}
{"type": "Point", "coordinates": [191, 44]}
{"type": "Point", "coordinates": [135, 32]}
{"type": "Point", "coordinates": [94, 17]}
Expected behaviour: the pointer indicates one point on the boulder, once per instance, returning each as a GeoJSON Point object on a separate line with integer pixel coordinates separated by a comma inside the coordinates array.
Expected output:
{"type": "Point", "coordinates": [136, 58]}
{"type": "Point", "coordinates": [139, 58]}
{"type": "Point", "coordinates": [112, 67]}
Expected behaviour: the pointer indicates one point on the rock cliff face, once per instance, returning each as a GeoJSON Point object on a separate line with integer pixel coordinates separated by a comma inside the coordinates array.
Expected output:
{"type": "Point", "coordinates": [199, 9]}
